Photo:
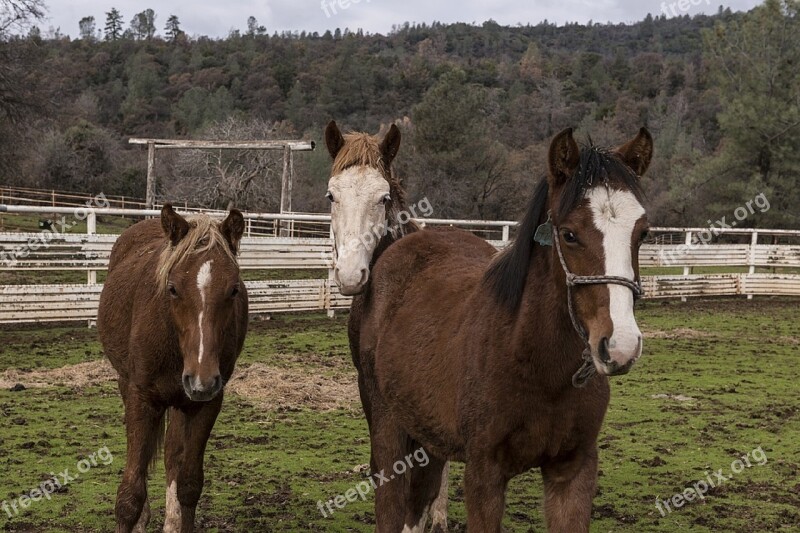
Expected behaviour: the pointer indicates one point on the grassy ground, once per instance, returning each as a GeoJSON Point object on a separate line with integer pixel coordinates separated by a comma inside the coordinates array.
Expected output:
{"type": "Point", "coordinates": [717, 381]}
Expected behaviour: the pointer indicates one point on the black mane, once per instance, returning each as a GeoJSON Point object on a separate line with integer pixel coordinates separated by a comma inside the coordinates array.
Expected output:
{"type": "Point", "coordinates": [507, 274]}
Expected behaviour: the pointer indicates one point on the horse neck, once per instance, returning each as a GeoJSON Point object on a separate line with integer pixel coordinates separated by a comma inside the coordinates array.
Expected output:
{"type": "Point", "coordinates": [543, 330]}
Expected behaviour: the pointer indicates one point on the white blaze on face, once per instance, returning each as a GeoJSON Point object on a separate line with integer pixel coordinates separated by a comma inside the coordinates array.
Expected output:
{"type": "Point", "coordinates": [615, 214]}
{"type": "Point", "coordinates": [358, 220]}
{"type": "Point", "coordinates": [203, 279]}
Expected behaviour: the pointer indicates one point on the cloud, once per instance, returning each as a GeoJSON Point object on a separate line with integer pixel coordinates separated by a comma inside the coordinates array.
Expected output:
{"type": "Point", "coordinates": [217, 19]}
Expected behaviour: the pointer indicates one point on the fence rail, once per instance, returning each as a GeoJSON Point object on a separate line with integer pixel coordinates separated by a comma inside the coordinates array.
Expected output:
{"type": "Point", "coordinates": [670, 248]}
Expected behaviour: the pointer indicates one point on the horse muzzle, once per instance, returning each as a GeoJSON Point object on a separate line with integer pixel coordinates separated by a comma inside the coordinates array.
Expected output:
{"type": "Point", "coordinates": [201, 390]}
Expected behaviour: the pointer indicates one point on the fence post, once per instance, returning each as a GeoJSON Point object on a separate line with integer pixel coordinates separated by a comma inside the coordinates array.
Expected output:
{"type": "Point", "coordinates": [686, 268]}
{"type": "Point", "coordinates": [751, 258]}
{"type": "Point", "coordinates": [150, 192]}
{"type": "Point", "coordinates": [286, 191]}
{"type": "Point", "coordinates": [91, 229]}
{"type": "Point", "coordinates": [505, 233]}
{"type": "Point", "coordinates": [331, 281]}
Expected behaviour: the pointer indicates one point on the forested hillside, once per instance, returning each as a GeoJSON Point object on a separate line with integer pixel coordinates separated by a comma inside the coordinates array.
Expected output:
{"type": "Point", "coordinates": [477, 106]}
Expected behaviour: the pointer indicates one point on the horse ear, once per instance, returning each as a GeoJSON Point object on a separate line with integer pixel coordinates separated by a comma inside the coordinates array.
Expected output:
{"type": "Point", "coordinates": [333, 138]}
{"type": "Point", "coordinates": [175, 226]}
{"type": "Point", "coordinates": [638, 152]}
{"type": "Point", "coordinates": [232, 229]}
{"type": "Point", "coordinates": [390, 144]}
{"type": "Point", "coordinates": [563, 158]}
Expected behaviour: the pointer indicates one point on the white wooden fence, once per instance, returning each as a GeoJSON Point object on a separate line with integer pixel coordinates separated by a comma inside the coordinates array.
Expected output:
{"type": "Point", "coordinates": [89, 252]}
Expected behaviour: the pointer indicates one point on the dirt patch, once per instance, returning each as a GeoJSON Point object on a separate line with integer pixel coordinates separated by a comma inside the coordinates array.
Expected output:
{"type": "Point", "coordinates": [77, 376]}
{"type": "Point", "coordinates": [677, 397]}
{"type": "Point", "coordinates": [677, 333]}
{"type": "Point", "coordinates": [281, 388]}
{"type": "Point", "coordinates": [269, 387]}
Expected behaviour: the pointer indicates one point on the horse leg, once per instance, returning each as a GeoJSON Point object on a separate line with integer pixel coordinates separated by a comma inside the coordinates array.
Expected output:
{"type": "Point", "coordinates": [173, 457]}
{"type": "Point", "coordinates": [439, 505]}
{"type": "Point", "coordinates": [143, 422]}
{"type": "Point", "coordinates": [426, 486]}
{"type": "Point", "coordinates": [389, 444]}
{"type": "Point", "coordinates": [197, 426]}
{"type": "Point", "coordinates": [144, 517]}
{"type": "Point", "coordinates": [485, 495]}
{"type": "Point", "coordinates": [569, 487]}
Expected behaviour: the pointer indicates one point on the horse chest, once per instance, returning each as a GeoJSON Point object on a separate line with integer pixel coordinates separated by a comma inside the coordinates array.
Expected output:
{"type": "Point", "coordinates": [546, 432]}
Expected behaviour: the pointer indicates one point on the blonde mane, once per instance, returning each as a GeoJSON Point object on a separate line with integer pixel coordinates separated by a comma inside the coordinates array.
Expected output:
{"type": "Point", "coordinates": [360, 149]}
{"type": "Point", "coordinates": [204, 235]}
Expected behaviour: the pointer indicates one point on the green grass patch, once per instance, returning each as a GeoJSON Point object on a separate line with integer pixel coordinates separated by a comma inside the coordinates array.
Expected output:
{"type": "Point", "coordinates": [717, 380]}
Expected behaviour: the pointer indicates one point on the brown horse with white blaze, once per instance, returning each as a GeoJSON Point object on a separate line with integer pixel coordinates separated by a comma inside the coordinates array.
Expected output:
{"type": "Point", "coordinates": [172, 321]}
{"type": "Point", "coordinates": [367, 200]}
{"type": "Point", "coordinates": [501, 360]}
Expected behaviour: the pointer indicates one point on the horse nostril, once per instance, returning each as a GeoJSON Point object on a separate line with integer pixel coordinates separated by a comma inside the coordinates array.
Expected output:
{"type": "Point", "coordinates": [603, 351]}
{"type": "Point", "coordinates": [217, 384]}
{"type": "Point", "coordinates": [187, 383]}
{"type": "Point", "coordinates": [364, 274]}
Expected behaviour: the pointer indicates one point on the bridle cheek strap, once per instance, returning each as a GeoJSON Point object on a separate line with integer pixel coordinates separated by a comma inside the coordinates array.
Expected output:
{"type": "Point", "coordinates": [587, 369]}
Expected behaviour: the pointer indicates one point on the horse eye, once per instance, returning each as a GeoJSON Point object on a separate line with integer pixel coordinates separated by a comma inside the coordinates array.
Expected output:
{"type": "Point", "coordinates": [570, 237]}
{"type": "Point", "coordinates": [172, 290]}
{"type": "Point", "coordinates": [329, 196]}
{"type": "Point", "coordinates": [235, 290]}
{"type": "Point", "coordinates": [645, 234]}
{"type": "Point", "coordinates": [386, 199]}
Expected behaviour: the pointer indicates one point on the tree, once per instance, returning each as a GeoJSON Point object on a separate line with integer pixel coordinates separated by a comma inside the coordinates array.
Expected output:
{"type": "Point", "coordinates": [87, 28]}
{"type": "Point", "coordinates": [222, 179]}
{"type": "Point", "coordinates": [173, 29]}
{"type": "Point", "coordinates": [143, 25]}
{"type": "Point", "coordinates": [253, 27]}
{"type": "Point", "coordinates": [18, 14]}
{"type": "Point", "coordinates": [113, 28]}
{"type": "Point", "coordinates": [463, 163]}
{"type": "Point", "coordinates": [755, 64]}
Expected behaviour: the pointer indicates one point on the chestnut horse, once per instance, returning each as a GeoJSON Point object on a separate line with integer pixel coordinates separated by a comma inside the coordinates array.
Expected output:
{"type": "Point", "coordinates": [172, 320]}
{"type": "Point", "coordinates": [501, 361]}
{"type": "Point", "coordinates": [366, 200]}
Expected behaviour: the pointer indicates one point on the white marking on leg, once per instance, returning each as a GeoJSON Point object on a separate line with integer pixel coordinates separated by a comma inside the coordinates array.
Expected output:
{"type": "Point", "coordinates": [172, 520]}
{"type": "Point", "coordinates": [203, 278]}
{"type": "Point", "coordinates": [615, 214]}
{"type": "Point", "coordinates": [439, 506]}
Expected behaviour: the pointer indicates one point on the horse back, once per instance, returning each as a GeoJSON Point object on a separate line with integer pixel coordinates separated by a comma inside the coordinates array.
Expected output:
{"type": "Point", "coordinates": [131, 281]}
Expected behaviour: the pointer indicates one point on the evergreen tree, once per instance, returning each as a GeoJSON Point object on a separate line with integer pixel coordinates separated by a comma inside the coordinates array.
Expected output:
{"type": "Point", "coordinates": [173, 28]}
{"type": "Point", "coordinates": [113, 29]}
{"type": "Point", "coordinates": [755, 63]}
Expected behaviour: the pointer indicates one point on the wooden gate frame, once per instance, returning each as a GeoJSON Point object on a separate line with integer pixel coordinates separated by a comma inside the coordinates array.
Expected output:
{"type": "Point", "coordinates": [288, 147]}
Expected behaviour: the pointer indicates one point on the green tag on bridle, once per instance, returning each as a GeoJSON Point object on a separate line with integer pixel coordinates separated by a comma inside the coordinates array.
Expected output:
{"type": "Point", "coordinates": [544, 233]}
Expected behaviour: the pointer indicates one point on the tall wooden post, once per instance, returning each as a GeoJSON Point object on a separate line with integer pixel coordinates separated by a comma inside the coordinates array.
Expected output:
{"type": "Point", "coordinates": [286, 189]}
{"type": "Point", "coordinates": [150, 194]}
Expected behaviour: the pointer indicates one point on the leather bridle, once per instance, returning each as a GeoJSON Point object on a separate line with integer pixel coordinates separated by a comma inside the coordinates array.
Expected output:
{"type": "Point", "coordinates": [587, 369]}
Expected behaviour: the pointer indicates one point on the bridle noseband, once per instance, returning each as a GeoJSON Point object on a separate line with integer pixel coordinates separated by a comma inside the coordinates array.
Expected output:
{"type": "Point", "coordinates": [548, 236]}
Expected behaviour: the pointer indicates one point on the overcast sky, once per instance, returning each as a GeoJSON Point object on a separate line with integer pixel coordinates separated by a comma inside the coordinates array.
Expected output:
{"type": "Point", "coordinates": [217, 18]}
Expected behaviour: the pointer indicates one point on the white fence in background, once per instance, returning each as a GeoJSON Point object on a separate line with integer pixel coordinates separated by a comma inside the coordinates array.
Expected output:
{"type": "Point", "coordinates": [89, 252]}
